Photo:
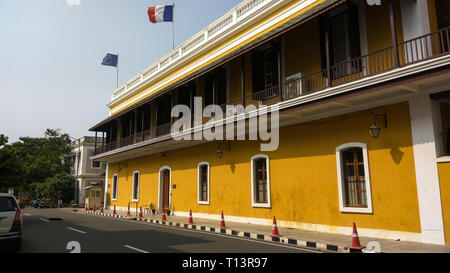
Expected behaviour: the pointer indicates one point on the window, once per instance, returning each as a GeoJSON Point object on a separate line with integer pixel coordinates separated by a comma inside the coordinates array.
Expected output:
{"type": "Point", "coordinates": [265, 67]}
{"type": "Point", "coordinates": [216, 87]}
{"type": "Point", "coordinates": [353, 178]}
{"type": "Point", "coordinates": [203, 183]}
{"type": "Point", "coordinates": [342, 26]}
{"type": "Point", "coordinates": [114, 187]}
{"type": "Point", "coordinates": [135, 186]}
{"type": "Point", "coordinates": [260, 181]}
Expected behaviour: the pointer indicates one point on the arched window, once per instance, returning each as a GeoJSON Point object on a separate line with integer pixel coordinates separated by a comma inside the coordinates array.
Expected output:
{"type": "Point", "coordinates": [114, 187]}
{"type": "Point", "coordinates": [353, 178]}
{"type": "Point", "coordinates": [136, 178]}
{"type": "Point", "coordinates": [203, 183]}
{"type": "Point", "coordinates": [260, 181]}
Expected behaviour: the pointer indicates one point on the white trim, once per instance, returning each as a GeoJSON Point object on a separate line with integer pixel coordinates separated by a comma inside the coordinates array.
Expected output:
{"type": "Point", "coordinates": [160, 188]}
{"type": "Point", "coordinates": [114, 188]}
{"type": "Point", "coordinates": [138, 187]}
{"type": "Point", "coordinates": [118, 98]}
{"type": "Point", "coordinates": [443, 159]}
{"type": "Point", "coordinates": [254, 204]}
{"type": "Point", "coordinates": [198, 183]}
{"type": "Point", "coordinates": [340, 179]}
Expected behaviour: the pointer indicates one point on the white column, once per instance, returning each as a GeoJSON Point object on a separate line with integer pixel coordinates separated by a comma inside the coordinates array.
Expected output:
{"type": "Point", "coordinates": [427, 179]}
{"type": "Point", "coordinates": [106, 186]}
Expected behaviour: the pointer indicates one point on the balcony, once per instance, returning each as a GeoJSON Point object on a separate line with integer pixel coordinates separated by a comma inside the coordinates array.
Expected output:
{"type": "Point", "coordinates": [404, 54]}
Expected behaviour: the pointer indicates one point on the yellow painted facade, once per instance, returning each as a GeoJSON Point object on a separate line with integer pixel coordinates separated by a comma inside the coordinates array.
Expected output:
{"type": "Point", "coordinates": [444, 178]}
{"type": "Point", "coordinates": [303, 175]}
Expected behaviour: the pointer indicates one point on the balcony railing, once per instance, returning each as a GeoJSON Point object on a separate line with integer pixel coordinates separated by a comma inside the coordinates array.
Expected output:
{"type": "Point", "coordinates": [163, 130]}
{"type": "Point", "coordinates": [409, 52]}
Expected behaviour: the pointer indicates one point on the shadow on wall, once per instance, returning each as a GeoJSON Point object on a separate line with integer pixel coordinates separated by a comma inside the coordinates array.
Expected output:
{"type": "Point", "coordinates": [397, 155]}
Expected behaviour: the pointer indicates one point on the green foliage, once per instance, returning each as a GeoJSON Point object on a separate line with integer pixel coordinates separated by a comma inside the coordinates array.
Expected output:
{"type": "Point", "coordinates": [61, 184]}
{"type": "Point", "coordinates": [3, 139]}
{"type": "Point", "coordinates": [33, 160]}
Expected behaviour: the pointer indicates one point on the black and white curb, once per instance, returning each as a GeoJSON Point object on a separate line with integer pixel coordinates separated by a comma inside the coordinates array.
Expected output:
{"type": "Point", "coordinates": [225, 231]}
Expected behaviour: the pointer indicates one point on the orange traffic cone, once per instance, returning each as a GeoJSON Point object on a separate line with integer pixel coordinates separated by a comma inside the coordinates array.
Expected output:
{"type": "Point", "coordinates": [222, 222]}
{"type": "Point", "coordinates": [275, 228]}
{"type": "Point", "coordinates": [191, 222]}
{"type": "Point", "coordinates": [128, 211]}
{"type": "Point", "coordinates": [164, 215]}
{"type": "Point", "coordinates": [114, 211]}
{"type": "Point", "coordinates": [140, 213]}
{"type": "Point", "coordinates": [356, 246]}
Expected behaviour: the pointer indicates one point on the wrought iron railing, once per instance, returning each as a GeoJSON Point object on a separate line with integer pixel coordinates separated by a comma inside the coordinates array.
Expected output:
{"type": "Point", "coordinates": [409, 52]}
{"type": "Point", "coordinates": [163, 129]}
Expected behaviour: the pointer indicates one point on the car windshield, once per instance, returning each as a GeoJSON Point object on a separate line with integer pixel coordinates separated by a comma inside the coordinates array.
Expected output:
{"type": "Point", "coordinates": [7, 204]}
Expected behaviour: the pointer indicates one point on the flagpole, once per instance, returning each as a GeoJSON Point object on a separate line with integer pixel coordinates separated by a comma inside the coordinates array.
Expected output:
{"type": "Point", "coordinates": [173, 26]}
{"type": "Point", "coordinates": [117, 70]}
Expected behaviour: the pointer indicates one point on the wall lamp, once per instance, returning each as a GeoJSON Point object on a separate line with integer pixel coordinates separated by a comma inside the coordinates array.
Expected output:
{"type": "Point", "coordinates": [119, 169]}
{"type": "Point", "coordinates": [375, 130]}
{"type": "Point", "coordinates": [221, 147]}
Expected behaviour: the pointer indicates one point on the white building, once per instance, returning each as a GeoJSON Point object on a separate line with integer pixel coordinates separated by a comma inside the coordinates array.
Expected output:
{"type": "Point", "coordinates": [86, 172]}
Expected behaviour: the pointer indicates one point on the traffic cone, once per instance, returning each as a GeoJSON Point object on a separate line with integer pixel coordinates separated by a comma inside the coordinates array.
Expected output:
{"type": "Point", "coordinates": [222, 222]}
{"type": "Point", "coordinates": [128, 211]}
{"type": "Point", "coordinates": [164, 215]}
{"type": "Point", "coordinates": [275, 228]}
{"type": "Point", "coordinates": [356, 246]}
{"type": "Point", "coordinates": [191, 222]}
{"type": "Point", "coordinates": [140, 213]}
{"type": "Point", "coordinates": [114, 211]}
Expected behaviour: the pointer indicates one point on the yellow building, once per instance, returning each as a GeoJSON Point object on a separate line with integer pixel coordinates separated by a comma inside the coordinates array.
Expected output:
{"type": "Point", "coordinates": [359, 114]}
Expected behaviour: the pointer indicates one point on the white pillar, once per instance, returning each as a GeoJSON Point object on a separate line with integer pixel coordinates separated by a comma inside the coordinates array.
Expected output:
{"type": "Point", "coordinates": [427, 179]}
{"type": "Point", "coordinates": [106, 186]}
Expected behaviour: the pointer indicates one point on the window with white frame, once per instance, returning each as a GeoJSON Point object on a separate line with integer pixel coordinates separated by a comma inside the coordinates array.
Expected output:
{"type": "Point", "coordinates": [260, 181]}
{"type": "Point", "coordinates": [203, 183]}
{"type": "Point", "coordinates": [114, 187]}
{"type": "Point", "coordinates": [136, 177]}
{"type": "Point", "coordinates": [353, 178]}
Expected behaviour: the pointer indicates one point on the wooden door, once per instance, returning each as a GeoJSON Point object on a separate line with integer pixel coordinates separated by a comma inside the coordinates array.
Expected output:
{"type": "Point", "coordinates": [166, 184]}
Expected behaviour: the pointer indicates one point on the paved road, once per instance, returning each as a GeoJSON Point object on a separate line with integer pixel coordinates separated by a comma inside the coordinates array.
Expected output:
{"type": "Point", "coordinates": [97, 234]}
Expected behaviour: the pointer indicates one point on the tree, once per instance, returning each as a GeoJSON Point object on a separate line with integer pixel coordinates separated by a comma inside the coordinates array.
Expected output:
{"type": "Point", "coordinates": [33, 160]}
{"type": "Point", "coordinates": [3, 139]}
{"type": "Point", "coordinates": [61, 184]}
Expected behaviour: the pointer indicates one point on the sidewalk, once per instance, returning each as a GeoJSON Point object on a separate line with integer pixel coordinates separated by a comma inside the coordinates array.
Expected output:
{"type": "Point", "coordinates": [312, 240]}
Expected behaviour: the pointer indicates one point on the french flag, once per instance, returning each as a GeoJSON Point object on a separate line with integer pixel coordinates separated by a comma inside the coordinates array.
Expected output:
{"type": "Point", "coordinates": [158, 14]}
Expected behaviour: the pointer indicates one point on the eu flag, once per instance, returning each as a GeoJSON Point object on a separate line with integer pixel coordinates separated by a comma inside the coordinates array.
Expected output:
{"type": "Point", "coordinates": [110, 60]}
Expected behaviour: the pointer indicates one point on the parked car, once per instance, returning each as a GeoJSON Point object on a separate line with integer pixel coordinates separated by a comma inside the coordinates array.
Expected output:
{"type": "Point", "coordinates": [10, 223]}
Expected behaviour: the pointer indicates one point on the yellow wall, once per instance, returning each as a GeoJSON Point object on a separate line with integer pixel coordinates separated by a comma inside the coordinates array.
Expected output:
{"type": "Point", "coordinates": [444, 180]}
{"type": "Point", "coordinates": [303, 174]}
{"type": "Point", "coordinates": [379, 26]}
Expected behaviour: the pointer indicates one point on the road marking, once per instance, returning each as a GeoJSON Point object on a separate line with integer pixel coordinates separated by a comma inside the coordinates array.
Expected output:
{"type": "Point", "coordinates": [26, 214]}
{"type": "Point", "coordinates": [137, 249]}
{"type": "Point", "coordinates": [45, 220]}
{"type": "Point", "coordinates": [76, 230]}
{"type": "Point", "coordinates": [210, 233]}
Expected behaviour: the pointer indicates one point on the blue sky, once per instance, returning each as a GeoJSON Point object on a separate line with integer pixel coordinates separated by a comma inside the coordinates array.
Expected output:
{"type": "Point", "coordinates": [51, 53]}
